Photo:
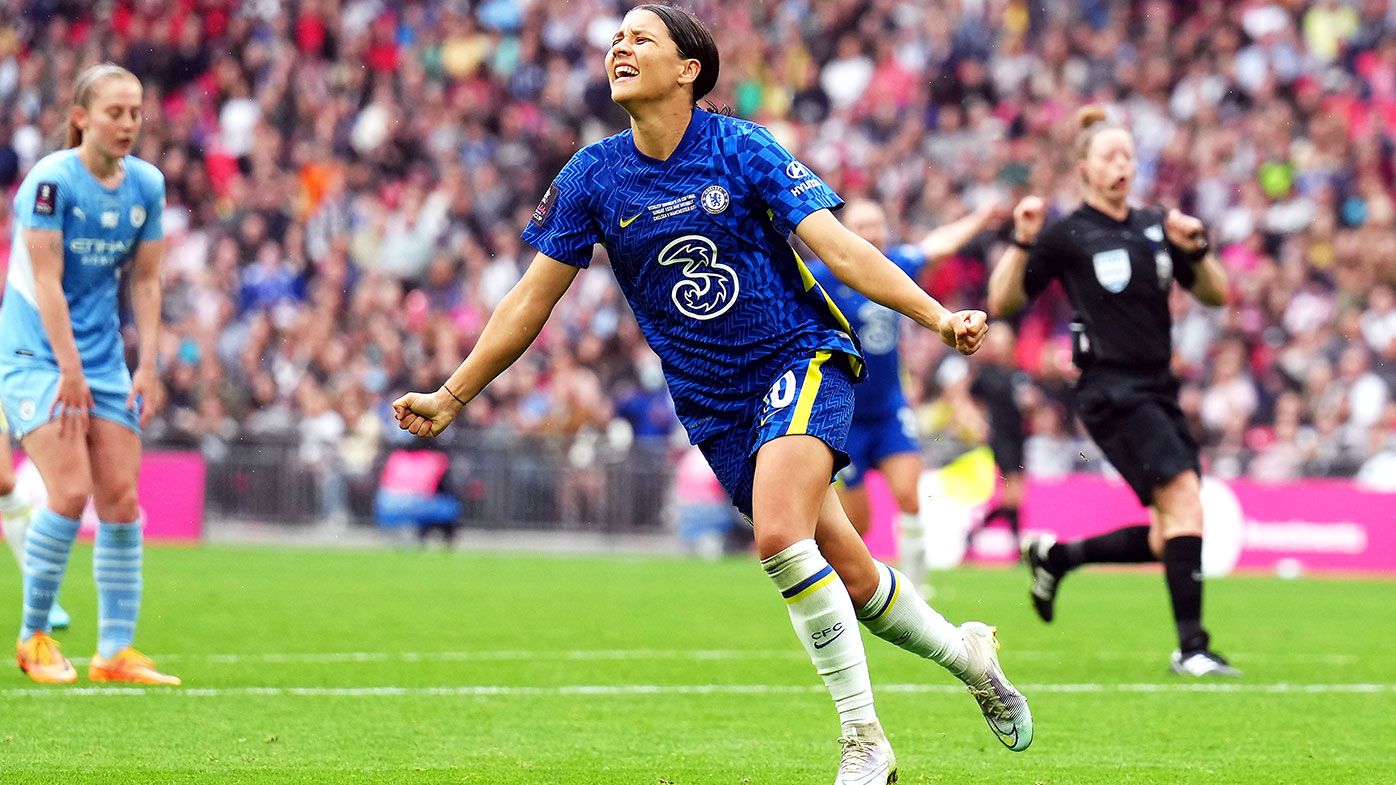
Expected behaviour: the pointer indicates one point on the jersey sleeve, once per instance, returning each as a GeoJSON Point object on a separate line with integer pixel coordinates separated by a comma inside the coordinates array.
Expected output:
{"type": "Point", "coordinates": [154, 202]}
{"type": "Point", "coordinates": [1046, 259]}
{"type": "Point", "coordinates": [563, 225]}
{"type": "Point", "coordinates": [42, 200]}
{"type": "Point", "coordinates": [790, 190]}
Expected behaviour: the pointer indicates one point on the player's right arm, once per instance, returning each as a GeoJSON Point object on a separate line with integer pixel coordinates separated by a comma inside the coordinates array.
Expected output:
{"type": "Point", "coordinates": [511, 329]}
{"type": "Point", "coordinates": [564, 231]}
{"type": "Point", "coordinates": [854, 261]}
{"type": "Point", "coordinates": [1007, 290]}
{"type": "Point", "coordinates": [74, 398]}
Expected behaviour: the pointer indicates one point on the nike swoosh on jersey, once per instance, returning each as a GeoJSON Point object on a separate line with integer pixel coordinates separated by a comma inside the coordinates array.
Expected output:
{"type": "Point", "coordinates": [624, 222]}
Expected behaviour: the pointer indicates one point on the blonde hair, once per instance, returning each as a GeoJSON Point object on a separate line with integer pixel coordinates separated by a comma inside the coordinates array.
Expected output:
{"type": "Point", "coordinates": [85, 86]}
{"type": "Point", "coordinates": [1091, 120]}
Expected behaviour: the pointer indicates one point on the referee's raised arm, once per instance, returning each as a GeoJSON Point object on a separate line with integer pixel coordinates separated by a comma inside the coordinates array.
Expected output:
{"type": "Point", "coordinates": [1007, 295]}
{"type": "Point", "coordinates": [1188, 235]}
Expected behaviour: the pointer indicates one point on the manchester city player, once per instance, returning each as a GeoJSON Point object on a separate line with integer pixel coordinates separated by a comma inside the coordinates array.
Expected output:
{"type": "Point", "coordinates": [83, 214]}
{"type": "Point", "coordinates": [694, 210]}
{"type": "Point", "coordinates": [1118, 264]}
{"type": "Point", "coordinates": [883, 433]}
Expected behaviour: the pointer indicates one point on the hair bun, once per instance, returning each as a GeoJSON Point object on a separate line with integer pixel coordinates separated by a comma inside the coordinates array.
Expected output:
{"type": "Point", "coordinates": [1088, 116]}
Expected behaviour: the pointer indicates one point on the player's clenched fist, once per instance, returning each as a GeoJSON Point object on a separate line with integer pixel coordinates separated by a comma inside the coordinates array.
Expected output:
{"type": "Point", "coordinates": [1185, 231]}
{"type": "Point", "coordinates": [965, 330]}
{"type": "Point", "coordinates": [1028, 216]}
{"type": "Point", "coordinates": [425, 414]}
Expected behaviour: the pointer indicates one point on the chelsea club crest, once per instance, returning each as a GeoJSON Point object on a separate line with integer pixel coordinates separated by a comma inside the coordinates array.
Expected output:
{"type": "Point", "coordinates": [715, 199]}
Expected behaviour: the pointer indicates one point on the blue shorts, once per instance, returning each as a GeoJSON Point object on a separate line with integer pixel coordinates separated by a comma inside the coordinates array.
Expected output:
{"type": "Point", "coordinates": [813, 396]}
{"type": "Point", "coordinates": [27, 393]}
{"type": "Point", "coordinates": [873, 441]}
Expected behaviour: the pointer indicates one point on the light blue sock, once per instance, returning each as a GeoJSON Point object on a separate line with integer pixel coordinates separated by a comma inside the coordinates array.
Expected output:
{"type": "Point", "coordinates": [46, 549]}
{"type": "Point", "coordinates": [116, 567]}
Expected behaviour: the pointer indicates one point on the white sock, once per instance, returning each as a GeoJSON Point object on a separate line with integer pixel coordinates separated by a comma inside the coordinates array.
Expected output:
{"type": "Point", "coordinates": [15, 513]}
{"type": "Point", "coordinates": [898, 615]}
{"type": "Point", "coordinates": [824, 619]}
{"type": "Point", "coordinates": [911, 546]}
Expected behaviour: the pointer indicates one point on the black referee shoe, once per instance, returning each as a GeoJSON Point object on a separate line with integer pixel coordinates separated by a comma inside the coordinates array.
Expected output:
{"type": "Point", "coordinates": [1044, 581]}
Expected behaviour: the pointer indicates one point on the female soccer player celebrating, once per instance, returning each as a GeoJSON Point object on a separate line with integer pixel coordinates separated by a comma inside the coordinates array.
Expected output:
{"type": "Point", "coordinates": [82, 214]}
{"type": "Point", "coordinates": [694, 209]}
{"type": "Point", "coordinates": [1118, 265]}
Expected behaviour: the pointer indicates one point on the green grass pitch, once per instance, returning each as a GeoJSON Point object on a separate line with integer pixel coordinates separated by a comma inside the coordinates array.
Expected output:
{"type": "Point", "coordinates": [425, 667]}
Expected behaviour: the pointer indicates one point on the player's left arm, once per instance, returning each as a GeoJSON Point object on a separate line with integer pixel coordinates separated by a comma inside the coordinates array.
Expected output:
{"type": "Point", "coordinates": [1188, 237]}
{"type": "Point", "coordinates": [859, 264]}
{"type": "Point", "coordinates": [146, 389]}
{"type": "Point", "coordinates": [145, 303]}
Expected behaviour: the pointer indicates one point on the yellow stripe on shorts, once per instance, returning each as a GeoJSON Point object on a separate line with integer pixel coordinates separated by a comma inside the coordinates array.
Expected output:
{"type": "Point", "coordinates": [809, 390]}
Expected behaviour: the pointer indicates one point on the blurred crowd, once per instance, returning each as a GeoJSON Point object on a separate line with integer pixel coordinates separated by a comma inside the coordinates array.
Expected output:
{"type": "Point", "coordinates": [347, 180]}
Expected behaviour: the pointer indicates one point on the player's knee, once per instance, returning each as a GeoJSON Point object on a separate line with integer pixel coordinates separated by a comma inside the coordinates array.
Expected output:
{"type": "Point", "coordinates": [118, 505]}
{"type": "Point", "coordinates": [1179, 510]}
{"type": "Point", "coordinates": [907, 500]}
{"type": "Point", "coordinates": [772, 537]}
{"type": "Point", "coordinates": [70, 500]}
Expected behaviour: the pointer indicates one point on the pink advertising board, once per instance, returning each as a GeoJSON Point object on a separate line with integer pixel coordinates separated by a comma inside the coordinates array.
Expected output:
{"type": "Point", "coordinates": [171, 491]}
{"type": "Point", "coordinates": [1311, 525]}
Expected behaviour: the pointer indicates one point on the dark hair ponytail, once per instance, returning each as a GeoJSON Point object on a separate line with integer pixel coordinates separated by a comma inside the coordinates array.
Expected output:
{"type": "Point", "coordinates": [85, 86]}
{"type": "Point", "coordinates": [693, 40]}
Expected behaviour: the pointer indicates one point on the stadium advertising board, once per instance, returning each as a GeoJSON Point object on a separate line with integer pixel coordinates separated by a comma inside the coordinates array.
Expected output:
{"type": "Point", "coordinates": [1290, 528]}
{"type": "Point", "coordinates": [171, 493]}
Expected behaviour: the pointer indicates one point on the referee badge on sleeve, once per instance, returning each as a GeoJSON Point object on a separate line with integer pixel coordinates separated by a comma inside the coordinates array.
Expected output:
{"type": "Point", "coordinates": [1112, 269]}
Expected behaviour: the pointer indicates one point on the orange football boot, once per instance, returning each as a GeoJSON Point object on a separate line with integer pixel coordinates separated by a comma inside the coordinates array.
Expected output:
{"type": "Point", "coordinates": [41, 660]}
{"type": "Point", "coordinates": [128, 666]}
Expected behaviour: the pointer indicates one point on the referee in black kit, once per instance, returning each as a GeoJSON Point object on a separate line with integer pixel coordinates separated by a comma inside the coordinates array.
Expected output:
{"type": "Point", "coordinates": [1118, 265]}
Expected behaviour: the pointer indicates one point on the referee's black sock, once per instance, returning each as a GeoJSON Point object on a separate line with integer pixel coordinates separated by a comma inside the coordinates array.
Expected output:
{"type": "Point", "coordinates": [1182, 566]}
{"type": "Point", "coordinates": [1009, 516]}
{"type": "Point", "coordinates": [1127, 545]}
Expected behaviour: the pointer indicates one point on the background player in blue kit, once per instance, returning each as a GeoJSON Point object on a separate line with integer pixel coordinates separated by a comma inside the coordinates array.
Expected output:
{"type": "Point", "coordinates": [883, 433]}
{"type": "Point", "coordinates": [694, 210]}
{"type": "Point", "coordinates": [82, 214]}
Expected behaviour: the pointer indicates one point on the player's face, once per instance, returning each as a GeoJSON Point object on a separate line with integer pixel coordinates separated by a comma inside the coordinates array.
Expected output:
{"type": "Point", "coordinates": [643, 61]}
{"type": "Point", "coordinates": [868, 221]}
{"type": "Point", "coordinates": [112, 118]}
{"type": "Point", "coordinates": [1109, 165]}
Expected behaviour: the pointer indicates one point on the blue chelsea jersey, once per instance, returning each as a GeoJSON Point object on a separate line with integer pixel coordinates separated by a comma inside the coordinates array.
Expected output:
{"type": "Point", "coordinates": [879, 329]}
{"type": "Point", "coordinates": [100, 228]}
{"type": "Point", "coordinates": [700, 246]}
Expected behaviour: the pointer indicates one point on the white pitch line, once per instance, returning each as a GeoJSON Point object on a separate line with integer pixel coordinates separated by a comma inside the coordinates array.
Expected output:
{"type": "Point", "coordinates": [524, 655]}
{"type": "Point", "coordinates": [669, 689]}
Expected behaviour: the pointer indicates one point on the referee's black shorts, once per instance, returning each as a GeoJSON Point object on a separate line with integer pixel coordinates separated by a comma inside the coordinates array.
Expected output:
{"type": "Point", "coordinates": [1134, 416]}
